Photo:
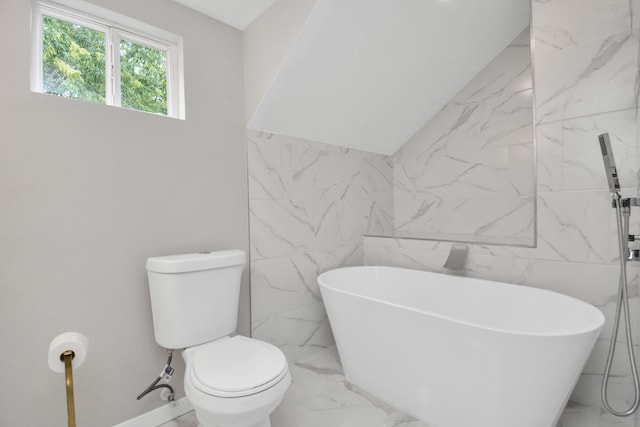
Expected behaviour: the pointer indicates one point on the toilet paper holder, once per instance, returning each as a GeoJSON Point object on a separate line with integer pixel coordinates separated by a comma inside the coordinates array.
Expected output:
{"type": "Point", "coordinates": [67, 357]}
{"type": "Point", "coordinates": [65, 348]}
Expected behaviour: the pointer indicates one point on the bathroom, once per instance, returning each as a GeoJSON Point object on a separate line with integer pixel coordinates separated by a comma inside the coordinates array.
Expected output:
{"type": "Point", "coordinates": [86, 201]}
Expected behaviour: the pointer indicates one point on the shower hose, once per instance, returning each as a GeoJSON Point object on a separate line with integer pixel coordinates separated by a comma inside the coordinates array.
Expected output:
{"type": "Point", "coordinates": [622, 305]}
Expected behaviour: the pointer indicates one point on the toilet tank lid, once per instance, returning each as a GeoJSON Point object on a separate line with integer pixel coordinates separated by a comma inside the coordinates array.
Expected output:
{"type": "Point", "coordinates": [196, 261]}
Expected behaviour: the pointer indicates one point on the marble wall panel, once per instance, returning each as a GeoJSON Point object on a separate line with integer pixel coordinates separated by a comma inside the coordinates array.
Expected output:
{"type": "Point", "coordinates": [570, 22]}
{"type": "Point", "coordinates": [585, 56]}
{"type": "Point", "coordinates": [507, 105]}
{"type": "Point", "coordinates": [573, 226]}
{"type": "Point", "coordinates": [506, 120]}
{"type": "Point", "coordinates": [287, 308]}
{"type": "Point", "coordinates": [569, 156]}
{"type": "Point", "coordinates": [467, 174]}
{"type": "Point", "coordinates": [327, 173]}
{"type": "Point", "coordinates": [310, 205]}
{"type": "Point", "coordinates": [550, 157]}
{"type": "Point", "coordinates": [522, 169]}
{"type": "Point", "coordinates": [429, 217]}
{"type": "Point", "coordinates": [270, 177]}
{"type": "Point", "coordinates": [437, 155]}
{"type": "Point", "coordinates": [507, 69]}
{"type": "Point", "coordinates": [279, 227]}
{"type": "Point", "coordinates": [582, 158]}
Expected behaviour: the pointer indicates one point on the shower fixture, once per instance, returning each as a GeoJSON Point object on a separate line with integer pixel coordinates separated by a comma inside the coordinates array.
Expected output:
{"type": "Point", "coordinates": [609, 163]}
{"type": "Point", "coordinates": [623, 211]}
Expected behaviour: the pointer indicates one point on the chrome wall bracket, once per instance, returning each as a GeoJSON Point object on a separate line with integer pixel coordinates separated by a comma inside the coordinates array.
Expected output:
{"type": "Point", "coordinates": [627, 202]}
{"type": "Point", "coordinates": [633, 254]}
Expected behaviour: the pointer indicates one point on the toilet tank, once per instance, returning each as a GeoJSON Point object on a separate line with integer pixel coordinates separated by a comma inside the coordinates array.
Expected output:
{"type": "Point", "coordinates": [194, 297]}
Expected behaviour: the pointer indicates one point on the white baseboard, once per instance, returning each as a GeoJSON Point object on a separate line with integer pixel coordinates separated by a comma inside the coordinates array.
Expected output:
{"type": "Point", "coordinates": [159, 415]}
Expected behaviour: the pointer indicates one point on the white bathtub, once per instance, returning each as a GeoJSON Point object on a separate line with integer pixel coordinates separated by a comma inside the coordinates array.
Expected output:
{"type": "Point", "coordinates": [459, 352]}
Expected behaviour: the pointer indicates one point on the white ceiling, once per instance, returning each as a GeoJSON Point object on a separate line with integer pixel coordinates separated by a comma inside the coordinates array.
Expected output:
{"type": "Point", "coordinates": [237, 13]}
{"type": "Point", "coordinates": [368, 74]}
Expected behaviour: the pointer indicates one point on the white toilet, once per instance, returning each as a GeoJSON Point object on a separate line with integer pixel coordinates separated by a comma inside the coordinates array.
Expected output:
{"type": "Point", "coordinates": [230, 381]}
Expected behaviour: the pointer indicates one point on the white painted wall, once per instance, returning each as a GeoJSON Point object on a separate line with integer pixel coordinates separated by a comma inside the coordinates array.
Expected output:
{"type": "Point", "coordinates": [87, 193]}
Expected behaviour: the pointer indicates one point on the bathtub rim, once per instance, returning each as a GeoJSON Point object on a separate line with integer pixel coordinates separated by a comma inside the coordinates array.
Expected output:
{"type": "Point", "coordinates": [595, 325]}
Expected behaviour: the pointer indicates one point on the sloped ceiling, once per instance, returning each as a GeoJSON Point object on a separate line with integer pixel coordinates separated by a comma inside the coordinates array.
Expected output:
{"type": "Point", "coordinates": [237, 13]}
{"type": "Point", "coordinates": [368, 74]}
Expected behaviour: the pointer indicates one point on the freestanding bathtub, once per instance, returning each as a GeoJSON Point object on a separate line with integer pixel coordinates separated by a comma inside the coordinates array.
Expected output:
{"type": "Point", "coordinates": [459, 352]}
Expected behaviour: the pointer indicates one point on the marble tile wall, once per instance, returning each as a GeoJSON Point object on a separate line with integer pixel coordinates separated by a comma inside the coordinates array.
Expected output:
{"type": "Point", "coordinates": [586, 79]}
{"type": "Point", "coordinates": [310, 205]}
{"type": "Point", "coordinates": [468, 172]}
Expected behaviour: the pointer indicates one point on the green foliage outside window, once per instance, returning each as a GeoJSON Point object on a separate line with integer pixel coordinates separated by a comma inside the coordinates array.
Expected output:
{"type": "Point", "coordinates": [73, 60]}
{"type": "Point", "coordinates": [74, 66]}
{"type": "Point", "coordinates": [143, 76]}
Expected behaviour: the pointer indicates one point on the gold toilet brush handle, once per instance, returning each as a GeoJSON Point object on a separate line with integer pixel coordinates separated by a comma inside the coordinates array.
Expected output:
{"type": "Point", "coordinates": [66, 357]}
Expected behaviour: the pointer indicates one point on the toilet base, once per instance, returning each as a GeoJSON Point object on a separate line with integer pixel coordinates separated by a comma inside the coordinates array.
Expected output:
{"type": "Point", "coordinates": [249, 411]}
{"type": "Point", "coordinates": [252, 410]}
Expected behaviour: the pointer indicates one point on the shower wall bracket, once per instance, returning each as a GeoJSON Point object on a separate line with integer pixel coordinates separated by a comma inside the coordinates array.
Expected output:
{"type": "Point", "coordinates": [627, 202]}
{"type": "Point", "coordinates": [633, 254]}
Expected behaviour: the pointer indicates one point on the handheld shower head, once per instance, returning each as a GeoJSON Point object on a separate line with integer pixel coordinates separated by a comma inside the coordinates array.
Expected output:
{"type": "Point", "coordinates": [609, 163]}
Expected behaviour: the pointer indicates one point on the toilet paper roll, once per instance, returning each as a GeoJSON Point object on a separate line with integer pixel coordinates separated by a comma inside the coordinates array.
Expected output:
{"type": "Point", "coordinates": [73, 341]}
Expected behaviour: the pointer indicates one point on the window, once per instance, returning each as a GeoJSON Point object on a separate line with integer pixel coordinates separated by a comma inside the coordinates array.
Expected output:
{"type": "Point", "coordinates": [95, 55]}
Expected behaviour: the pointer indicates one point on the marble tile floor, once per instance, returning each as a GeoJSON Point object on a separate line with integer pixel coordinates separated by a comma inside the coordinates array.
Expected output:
{"type": "Point", "coordinates": [320, 396]}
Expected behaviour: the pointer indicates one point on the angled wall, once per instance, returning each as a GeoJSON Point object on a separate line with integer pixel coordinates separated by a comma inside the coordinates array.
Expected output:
{"type": "Point", "coordinates": [267, 41]}
{"type": "Point", "coordinates": [367, 74]}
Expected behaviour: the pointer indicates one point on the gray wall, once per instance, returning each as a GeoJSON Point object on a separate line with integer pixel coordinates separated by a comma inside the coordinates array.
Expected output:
{"type": "Point", "coordinates": [87, 193]}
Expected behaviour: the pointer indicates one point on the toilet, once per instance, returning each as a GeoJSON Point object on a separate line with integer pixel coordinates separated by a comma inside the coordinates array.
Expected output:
{"type": "Point", "coordinates": [231, 381]}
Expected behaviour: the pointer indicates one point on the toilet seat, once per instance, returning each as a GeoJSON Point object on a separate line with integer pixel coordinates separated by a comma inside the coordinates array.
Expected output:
{"type": "Point", "coordinates": [236, 367]}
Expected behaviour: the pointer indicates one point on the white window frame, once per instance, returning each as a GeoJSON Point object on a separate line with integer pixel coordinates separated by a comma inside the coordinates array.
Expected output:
{"type": "Point", "coordinates": [115, 27]}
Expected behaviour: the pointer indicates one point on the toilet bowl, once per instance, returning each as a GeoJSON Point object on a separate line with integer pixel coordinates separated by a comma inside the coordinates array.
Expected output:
{"type": "Point", "coordinates": [235, 382]}
{"type": "Point", "coordinates": [231, 381]}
